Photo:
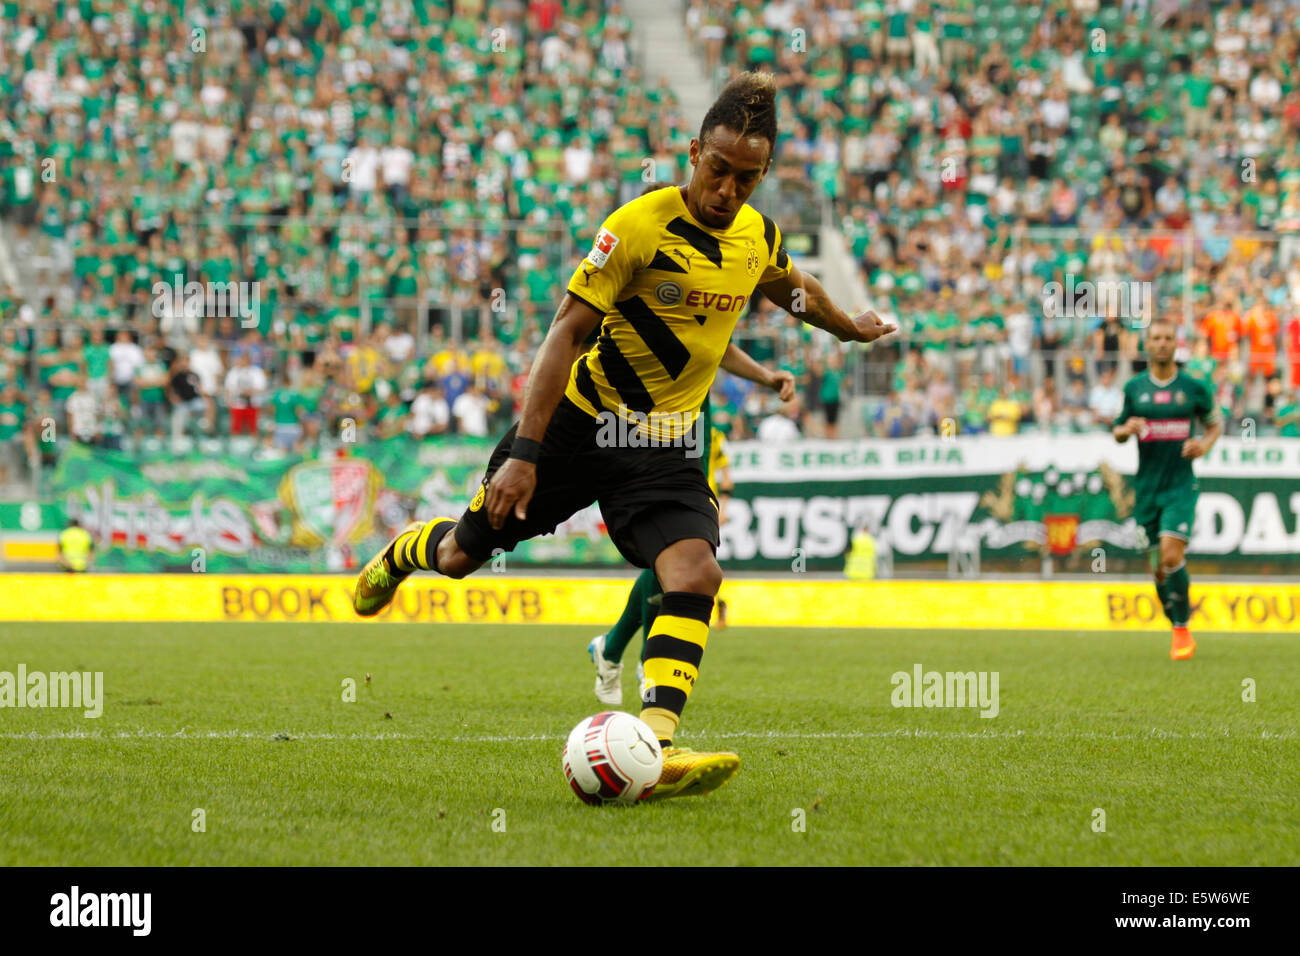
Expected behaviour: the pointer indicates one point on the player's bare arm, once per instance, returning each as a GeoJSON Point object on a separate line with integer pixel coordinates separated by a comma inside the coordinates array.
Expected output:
{"type": "Point", "coordinates": [1133, 426]}
{"type": "Point", "coordinates": [738, 362]}
{"type": "Point", "coordinates": [1201, 444]}
{"type": "Point", "coordinates": [803, 296]}
{"type": "Point", "coordinates": [512, 486]}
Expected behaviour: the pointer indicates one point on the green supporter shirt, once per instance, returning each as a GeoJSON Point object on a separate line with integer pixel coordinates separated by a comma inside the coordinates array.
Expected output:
{"type": "Point", "coordinates": [96, 361]}
{"type": "Point", "coordinates": [832, 386]}
{"type": "Point", "coordinates": [60, 393]}
{"type": "Point", "coordinates": [1198, 91]}
{"type": "Point", "coordinates": [152, 393]}
{"type": "Point", "coordinates": [285, 407]}
{"type": "Point", "coordinates": [1289, 418]}
{"type": "Point", "coordinates": [11, 419]}
{"type": "Point", "coordinates": [1170, 409]}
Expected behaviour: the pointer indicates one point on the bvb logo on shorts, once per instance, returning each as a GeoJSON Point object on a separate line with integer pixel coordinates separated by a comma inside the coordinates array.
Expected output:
{"type": "Point", "coordinates": [751, 261]}
{"type": "Point", "coordinates": [479, 498]}
{"type": "Point", "coordinates": [669, 293]}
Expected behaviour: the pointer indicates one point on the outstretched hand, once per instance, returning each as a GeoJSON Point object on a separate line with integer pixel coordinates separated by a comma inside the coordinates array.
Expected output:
{"type": "Point", "coordinates": [870, 326]}
{"type": "Point", "coordinates": [511, 488]}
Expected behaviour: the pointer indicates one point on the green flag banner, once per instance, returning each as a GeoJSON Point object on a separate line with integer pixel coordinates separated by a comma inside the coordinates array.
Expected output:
{"type": "Point", "coordinates": [796, 505]}
{"type": "Point", "coordinates": [292, 514]}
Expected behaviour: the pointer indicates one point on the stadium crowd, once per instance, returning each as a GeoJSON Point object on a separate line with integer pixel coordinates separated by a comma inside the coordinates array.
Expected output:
{"type": "Point", "coordinates": [978, 152]}
{"type": "Point", "coordinates": [403, 178]}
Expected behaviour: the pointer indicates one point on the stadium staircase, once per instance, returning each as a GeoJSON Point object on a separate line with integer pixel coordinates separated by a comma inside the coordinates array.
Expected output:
{"type": "Point", "coordinates": [665, 51]}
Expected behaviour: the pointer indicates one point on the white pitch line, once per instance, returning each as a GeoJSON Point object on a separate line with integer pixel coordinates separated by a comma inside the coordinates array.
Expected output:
{"type": "Point", "coordinates": [1153, 734]}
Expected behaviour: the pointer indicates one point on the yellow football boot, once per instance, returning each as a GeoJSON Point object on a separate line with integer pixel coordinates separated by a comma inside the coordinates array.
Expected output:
{"type": "Point", "coordinates": [687, 773]}
{"type": "Point", "coordinates": [376, 584]}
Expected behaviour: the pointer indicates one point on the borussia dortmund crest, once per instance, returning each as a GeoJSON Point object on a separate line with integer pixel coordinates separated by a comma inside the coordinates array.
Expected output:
{"type": "Point", "coordinates": [751, 259]}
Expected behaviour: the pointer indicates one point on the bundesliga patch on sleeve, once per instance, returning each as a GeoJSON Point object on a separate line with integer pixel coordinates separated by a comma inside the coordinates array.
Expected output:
{"type": "Point", "coordinates": [604, 245]}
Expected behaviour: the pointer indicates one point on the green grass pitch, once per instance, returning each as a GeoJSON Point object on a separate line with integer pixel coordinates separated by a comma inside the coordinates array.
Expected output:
{"type": "Point", "coordinates": [451, 753]}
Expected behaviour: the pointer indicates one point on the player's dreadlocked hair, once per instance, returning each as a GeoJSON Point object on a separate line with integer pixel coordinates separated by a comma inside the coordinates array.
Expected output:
{"type": "Point", "coordinates": [747, 105]}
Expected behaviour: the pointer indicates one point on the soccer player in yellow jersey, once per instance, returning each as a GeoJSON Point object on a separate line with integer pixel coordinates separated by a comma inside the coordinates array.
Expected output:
{"type": "Point", "coordinates": [721, 485]}
{"type": "Point", "coordinates": [667, 279]}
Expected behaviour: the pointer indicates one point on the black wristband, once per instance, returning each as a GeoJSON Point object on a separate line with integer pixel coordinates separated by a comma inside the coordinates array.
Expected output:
{"type": "Point", "coordinates": [525, 449]}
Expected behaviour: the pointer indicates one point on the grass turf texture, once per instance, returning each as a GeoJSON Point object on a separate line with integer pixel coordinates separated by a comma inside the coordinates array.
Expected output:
{"type": "Point", "coordinates": [1186, 772]}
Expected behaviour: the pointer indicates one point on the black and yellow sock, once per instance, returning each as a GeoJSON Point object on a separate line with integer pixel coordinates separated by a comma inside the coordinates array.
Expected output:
{"type": "Point", "coordinates": [418, 550]}
{"type": "Point", "coordinates": [1177, 599]}
{"type": "Point", "coordinates": [672, 659]}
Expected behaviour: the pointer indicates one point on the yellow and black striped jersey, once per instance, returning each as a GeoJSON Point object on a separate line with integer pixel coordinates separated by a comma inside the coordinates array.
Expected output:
{"type": "Point", "coordinates": [718, 459]}
{"type": "Point", "coordinates": [671, 290]}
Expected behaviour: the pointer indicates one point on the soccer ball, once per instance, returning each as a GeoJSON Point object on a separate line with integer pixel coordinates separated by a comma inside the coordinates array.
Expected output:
{"type": "Point", "coordinates": [612, 758]}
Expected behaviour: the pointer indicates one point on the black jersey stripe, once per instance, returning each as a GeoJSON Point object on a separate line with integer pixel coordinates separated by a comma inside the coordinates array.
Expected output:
{"type": "Point", "coordinates": [664, 264]}
{"type": "Point", "coordinates": [769, 234]}
{"type": "Point", "coordinates": [708, 246]}
{"type": "Point", "coordinates": [621, 376]}
{"type": "Point", "coordinates": [654, 331]}
{"type": "Point", "coordinates": [587, 385]}
{"type": "Point", "coordinates": [781, 257]}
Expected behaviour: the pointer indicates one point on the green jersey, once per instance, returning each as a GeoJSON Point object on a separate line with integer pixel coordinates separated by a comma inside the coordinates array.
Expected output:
{"type": "Point", "coordinates": [1170, 408]}
{"type": "Point", "coordinates": [11, 419]}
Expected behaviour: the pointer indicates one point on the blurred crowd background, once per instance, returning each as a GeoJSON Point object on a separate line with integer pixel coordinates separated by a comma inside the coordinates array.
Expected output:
{"type": "Point", "coordinates": [410, 184]}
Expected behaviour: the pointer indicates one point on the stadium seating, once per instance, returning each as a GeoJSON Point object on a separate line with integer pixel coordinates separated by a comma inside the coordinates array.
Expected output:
{"type": "Point", "coordinates": [406, 181]}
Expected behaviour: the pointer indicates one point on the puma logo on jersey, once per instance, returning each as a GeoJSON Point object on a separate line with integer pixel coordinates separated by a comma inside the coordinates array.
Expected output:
{"type": "Point", "coordinates": [686, 257]}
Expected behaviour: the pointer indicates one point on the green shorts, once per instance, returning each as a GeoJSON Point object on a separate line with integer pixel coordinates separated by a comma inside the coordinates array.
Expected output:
{"type": "Point", "coordinates": [1170, 512]}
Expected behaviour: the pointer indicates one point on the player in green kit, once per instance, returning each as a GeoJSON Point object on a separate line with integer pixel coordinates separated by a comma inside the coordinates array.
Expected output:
{"type": "Point", "coordinates": [1161, 407]}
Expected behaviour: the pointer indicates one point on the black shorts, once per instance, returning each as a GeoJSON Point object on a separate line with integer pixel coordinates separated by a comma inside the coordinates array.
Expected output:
{"type": "Point", "coordinates": [649, 497]}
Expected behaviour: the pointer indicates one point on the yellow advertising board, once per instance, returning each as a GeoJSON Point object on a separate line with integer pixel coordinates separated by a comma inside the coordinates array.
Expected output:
{"type": "Point", "coordinates": [786, 602]}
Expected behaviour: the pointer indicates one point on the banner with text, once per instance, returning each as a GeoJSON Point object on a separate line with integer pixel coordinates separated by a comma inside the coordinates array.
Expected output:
{"type": "Point", "coordinates": [797, 506]}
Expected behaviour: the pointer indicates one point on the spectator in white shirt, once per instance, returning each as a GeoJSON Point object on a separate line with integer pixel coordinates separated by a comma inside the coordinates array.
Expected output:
{"type": "Point", "coordinates": [429, 413]}
{"type": "Point", "coordinates": [395, 161]}
{"type": "Point", "coordinates": [125, 358]}
{"type": "Point", "coordinates": [205, 362]}
{"type": "Point", "coordinates": [1265, 89]}
{"type": "Point", "coordinates": [471, 412]}
{"type": "Point", "coordinates": [782, 426]}
{"type": "Point", "coordinates": [83, 413]}
{"type": "Point", "coordinates": [361, 166]}
{"type": "Point", "coordinates": [246, 387]}
{"type": "Point", "coordinates": [1106, 399]}
{"type": "Point", "coordinates": [578, 158]}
